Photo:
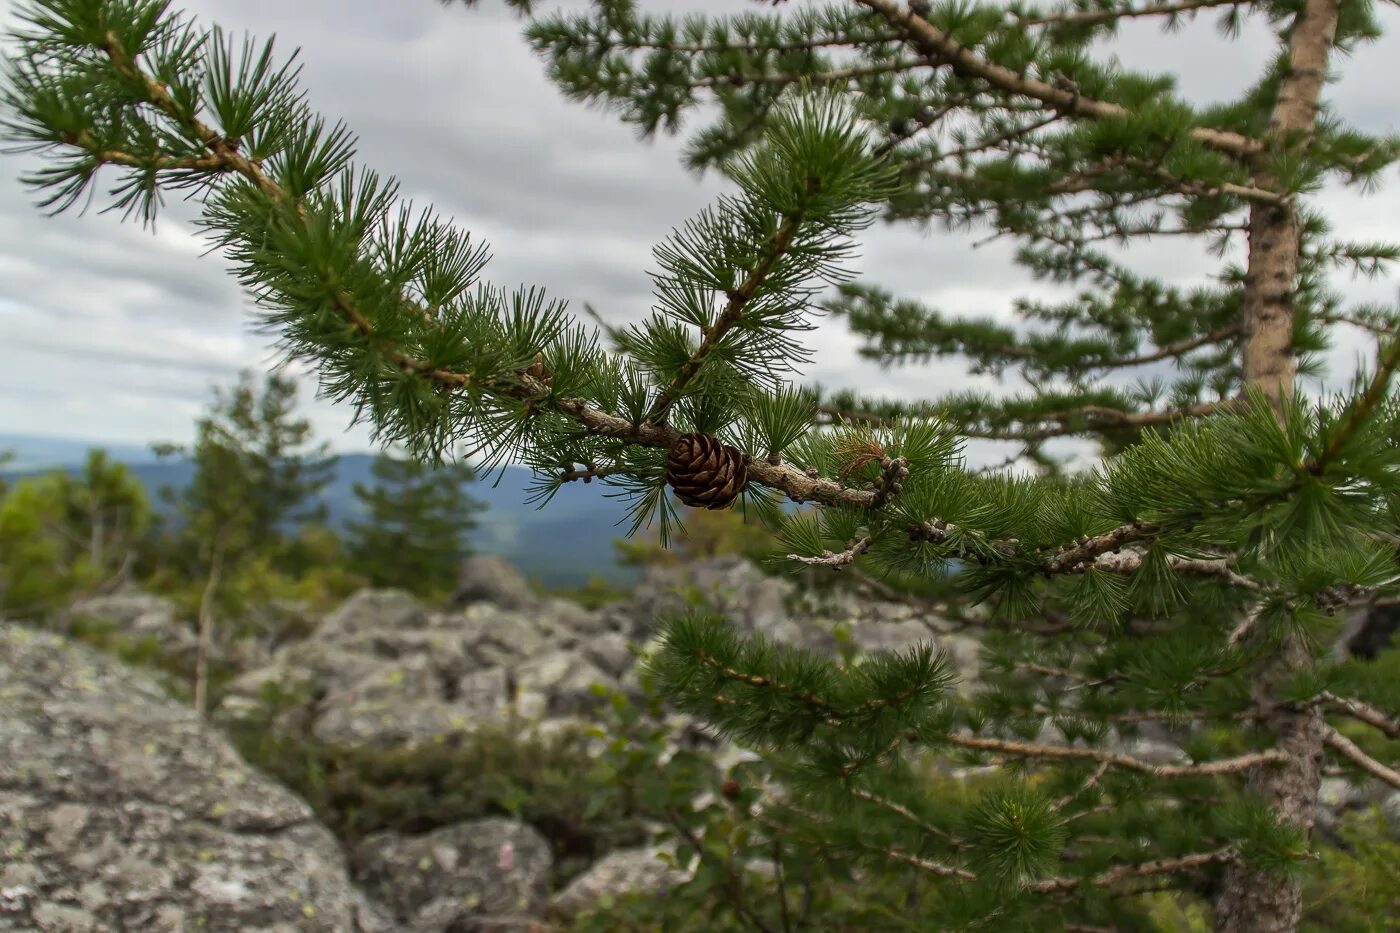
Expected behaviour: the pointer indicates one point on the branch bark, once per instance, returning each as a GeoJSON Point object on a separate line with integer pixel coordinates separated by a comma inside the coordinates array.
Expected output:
{"type": "Point", "coordinates": [1350, 750]}
{"type": "Point", "coordinates": [1364, 712]}
{"type": "Point", "coordinates": [1127, 762]}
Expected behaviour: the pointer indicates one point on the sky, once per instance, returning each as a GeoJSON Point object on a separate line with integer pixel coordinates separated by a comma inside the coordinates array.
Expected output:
{"type": "Point", "coordinates": [116, 333]}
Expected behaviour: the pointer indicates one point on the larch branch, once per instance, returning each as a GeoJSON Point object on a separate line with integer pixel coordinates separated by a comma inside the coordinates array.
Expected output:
{"type": "Point", "coordinates": [1350, 750]}
{"type": "Point", "coordinates": [1364, 712]}
{"type": "Point", "coordinates": [943, 49]}
{"type": "Point", "coordinates": [1127, 762]}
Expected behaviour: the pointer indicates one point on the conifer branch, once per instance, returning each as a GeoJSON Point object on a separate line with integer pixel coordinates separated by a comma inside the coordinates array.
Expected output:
{"type": "Point", "coordinates": [922, 864]}
{"type": "Point", "coordinates": [836, 560]}
{"type": "Point", "coordinates": [943, 49]}
{"type": "Point", "coordinates": [1246, 625]}
{"type": "Point", "coordinates": [803, 45]}
{"type": "Point", "coordinates": [1350, 750]}
{"type": "Point", "coordinates": [1364, 712]}
{"type": "Point", "coordinates": [588, 474]}
{"type": "Point", "coordinates": [1121, 873]}
{"type": "Point", "coordinates": [907, 815]}
{"type": "Point", "coordinates": [1222, 568]}
{"type": "Point", "coordinates": [739, 299]}
{"type": "Point", "coordinates": [1089, 784]}
{"type": "Point", "coordinates": [1361, 407]}
{"type": "Point", "coordinates": [1127, 762]}
{"type": "Point", "coordinates": [1088, 549]}
{"type": "Point", "coordinates": [1082, 420]}
{"type": "Point", "coordinates": [833, 76]}
{"type": "Point", "coordinates": [1094, 17]}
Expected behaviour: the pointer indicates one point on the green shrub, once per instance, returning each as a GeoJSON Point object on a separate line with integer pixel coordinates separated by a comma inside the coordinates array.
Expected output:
{"type": "Point", "coordinates": [549, 781]}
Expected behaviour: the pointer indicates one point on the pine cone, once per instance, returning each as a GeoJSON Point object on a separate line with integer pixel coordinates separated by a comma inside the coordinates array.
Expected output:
{"type": "Point", "coordinates": [705, 473]}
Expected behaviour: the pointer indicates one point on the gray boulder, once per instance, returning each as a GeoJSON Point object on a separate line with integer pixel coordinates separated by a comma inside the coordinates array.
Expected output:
{"type": "Point", "coordinates": [558, 683]}
{"type": "Point", "coordinates": [647, 871]}
{"type": "Point", "coordinates": [370, 614]}
{"type": "Point", "coordinates": [482, 875]}
{"type": "Point", "coordinates": [486, 579]}
{"type": "Point", "coordinates": [122, 810]}
{"type": "Point", "coordinates": [735, 588]}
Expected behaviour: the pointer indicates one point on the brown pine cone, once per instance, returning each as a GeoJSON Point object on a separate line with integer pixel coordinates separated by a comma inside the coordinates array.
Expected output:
{"type": "Point", "coordinates": [705, 473]}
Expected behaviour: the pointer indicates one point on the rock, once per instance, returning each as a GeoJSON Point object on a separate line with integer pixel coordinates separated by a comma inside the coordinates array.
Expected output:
{"type": "Point", "coordinates": [485, 694]}
{"type": "Point", "coordinates": [468, 876]}
{"type": "Point", "coordinates": [736, 589]}
{"type": "Point", "coordinates": [611, 652]}
{"type": "Point", "coordinates": [397, 704]}
{"type": "Point", "coordinates": [138, 615]}
{"type": "Point", "coordinates": [120, 809]}
{"type": "Point", "coordinates": [369, 613]}
{"type": "Point", "coordinates": [1390, 809]}
{"type": "Point", "coordinates": [558, 683]}
{"type": "Point", "coordinates": [381, 669]}
{"type": "Point", "coordinates": [1337, 795]}
{"type": "Point", "coordinates": [486, 579]}
{"type": "Point", "coordinates": [646, 871]}
{"type": "Point", "coordinates": [506, 637]}
{"type": "Point", "coordinates": [135, 612]}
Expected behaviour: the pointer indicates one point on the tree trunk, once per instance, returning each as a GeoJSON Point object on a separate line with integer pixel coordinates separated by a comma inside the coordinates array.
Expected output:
{"type": "Point", "coordinates": [95, 541]}
{"type": "Point", "coordinates": [206, 625]}
{"type": "Point", "coordinates": [1253, 901]}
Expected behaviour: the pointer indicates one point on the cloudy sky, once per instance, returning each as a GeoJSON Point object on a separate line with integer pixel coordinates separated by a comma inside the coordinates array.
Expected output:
{"type": "Point", "coordinates": [114, 333]}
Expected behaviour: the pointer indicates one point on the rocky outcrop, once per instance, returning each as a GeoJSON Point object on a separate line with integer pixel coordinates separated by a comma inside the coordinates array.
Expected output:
{"type": "Point", "coordinates": [482, 875]}
{"type": "Point", "coordinates": [122, 810]}
{"type": "Point", "coordinates": [384, 669]}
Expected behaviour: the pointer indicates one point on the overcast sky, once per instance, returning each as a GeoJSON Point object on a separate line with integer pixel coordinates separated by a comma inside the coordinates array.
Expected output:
{"type": "Point", "coordinates": [115, 333]}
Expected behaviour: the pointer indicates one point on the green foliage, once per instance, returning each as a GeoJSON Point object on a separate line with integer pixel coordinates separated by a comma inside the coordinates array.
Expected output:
{"type": "Point", "coordinates": [249, 504]}
{"type": "Point", "coordinates": [1352, 889]}
{"type": "Point", "coordinates": [61, 534]}
{"type": "Point", "coordinates": [417, 516]}
{"type": "Point", "coordinates": [703, 535]}
{"type": "Point", "coordinates": [550, 781]}
{"type": "Point", "coordinates": [594, 593]}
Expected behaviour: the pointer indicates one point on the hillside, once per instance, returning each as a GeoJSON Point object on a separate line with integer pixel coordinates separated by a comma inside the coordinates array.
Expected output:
{"type": "Point", "coordinates": [558, 545]}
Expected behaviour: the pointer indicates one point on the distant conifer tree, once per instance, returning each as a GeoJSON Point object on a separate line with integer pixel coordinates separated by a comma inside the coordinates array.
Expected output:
{"type": "Point", "coordinates": [414, 533]}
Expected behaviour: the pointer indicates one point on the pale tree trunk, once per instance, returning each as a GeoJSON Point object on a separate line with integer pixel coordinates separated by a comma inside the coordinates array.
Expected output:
{"type": "Point", "coordinates": [206, 624]}
{"type": "Point", "coordinates": [1252, 901]}
{"type": "Point", "coordinates": [95, 540]}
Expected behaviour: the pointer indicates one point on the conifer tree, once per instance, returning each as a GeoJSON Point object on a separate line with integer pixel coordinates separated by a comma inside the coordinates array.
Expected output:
{"type": "Point", "coordinates": [1190, 580]}
{"type": "Point", "coordinates": [62, 535]}
{"type": "Point", "coordinates": [417, 516]}
{"type": "Point", "coordinates": [256, 474]}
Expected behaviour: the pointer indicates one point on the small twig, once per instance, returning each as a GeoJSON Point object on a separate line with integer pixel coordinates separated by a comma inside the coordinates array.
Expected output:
{"type": "Point", "coordinates": [1084, 788]}
{"type": "Point", "coordinates": [1349, 749]}
{"type": "Point", "coordinates": [1127, 762]}
{"type": "Point", "coordinates": [588, 474]}
{"type": "Point", "coordinates": [1364, 712]}
{"type": "Point", "coordinates": [1119, 873]}
{"type": "Point", "coordinates": [836, 560]}
{"type": "Point", "coordinates": [909, 815]}
{"type": "Point", "coordinates": [1088, 17]}
{"type": "Point", "coordinates": [1246, 625]}
{"type": "Point", "coordinates": [933, 868]}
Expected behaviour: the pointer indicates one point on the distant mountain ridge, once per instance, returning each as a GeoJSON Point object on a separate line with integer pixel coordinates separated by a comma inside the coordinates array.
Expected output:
{"type": "Point", "coordinates": [563, 544]}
